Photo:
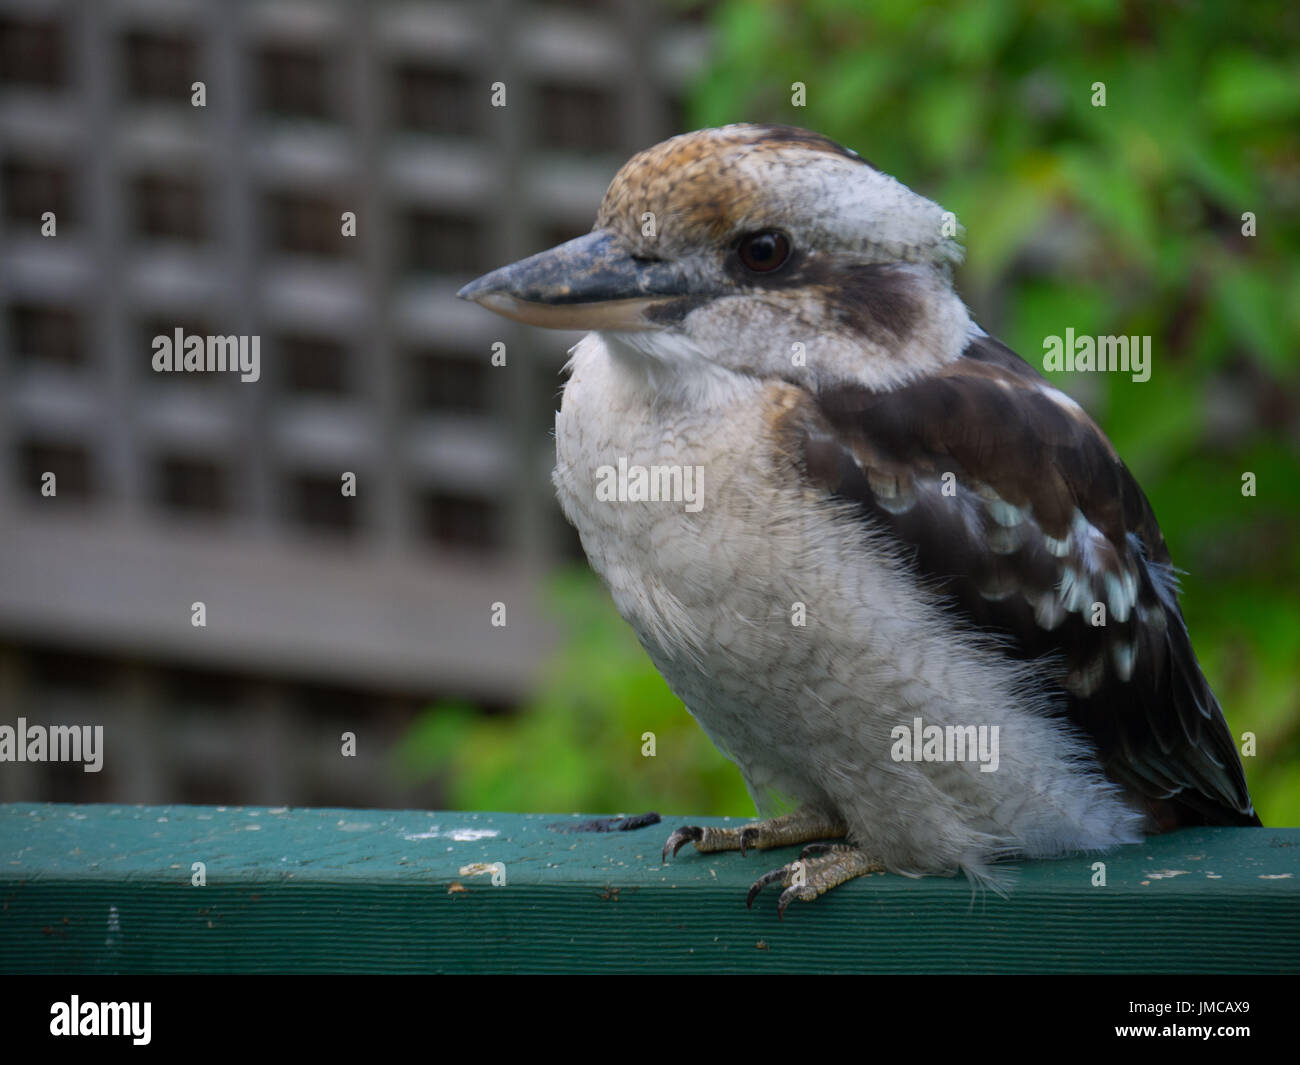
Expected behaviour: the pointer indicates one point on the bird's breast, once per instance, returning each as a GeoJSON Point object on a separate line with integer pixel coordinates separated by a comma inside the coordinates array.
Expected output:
{"type": "Point", "coordinates": [692, 569]}
{"type": "Point", "coordinates": [668, 491]}
{"type": "Point", "coordinates": [735, 592]}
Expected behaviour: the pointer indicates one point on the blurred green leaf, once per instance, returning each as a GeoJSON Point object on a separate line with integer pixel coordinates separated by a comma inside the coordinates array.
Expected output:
{"type": "Point", "coordinates": [1246, 88]}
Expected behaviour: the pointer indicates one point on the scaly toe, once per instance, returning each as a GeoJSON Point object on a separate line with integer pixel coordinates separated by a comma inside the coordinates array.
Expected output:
{"type": "Point", "coordinates": [805, 893]}
{"type": "Point", "coordinates": [833, 865]}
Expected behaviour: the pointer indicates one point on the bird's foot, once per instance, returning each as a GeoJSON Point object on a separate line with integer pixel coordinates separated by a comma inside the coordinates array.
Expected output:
{"type": "Point", "coordinates": [810, 876]}
{"type": "Point", "coordinates": [784, 831]}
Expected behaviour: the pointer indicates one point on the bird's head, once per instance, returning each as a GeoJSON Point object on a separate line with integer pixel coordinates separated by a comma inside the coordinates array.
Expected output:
{"type": "Point", "coordinates": [763, 250]}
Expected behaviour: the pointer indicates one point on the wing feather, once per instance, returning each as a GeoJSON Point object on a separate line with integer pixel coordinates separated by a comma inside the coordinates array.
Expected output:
{"type": "Point", "coordinates": [1017, 508]}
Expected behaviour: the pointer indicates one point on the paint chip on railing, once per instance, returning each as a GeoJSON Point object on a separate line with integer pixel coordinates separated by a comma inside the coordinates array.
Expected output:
{"type": "Point", "coordinates": [460, 835]}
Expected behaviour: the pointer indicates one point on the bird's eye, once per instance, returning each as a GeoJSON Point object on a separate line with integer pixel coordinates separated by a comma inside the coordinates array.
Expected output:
{"type": "Point", "coordinates": [764, 251]}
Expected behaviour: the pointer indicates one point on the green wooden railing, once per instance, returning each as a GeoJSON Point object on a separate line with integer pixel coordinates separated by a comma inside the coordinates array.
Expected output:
{"type": "Point", "coordinates": [111, 889]}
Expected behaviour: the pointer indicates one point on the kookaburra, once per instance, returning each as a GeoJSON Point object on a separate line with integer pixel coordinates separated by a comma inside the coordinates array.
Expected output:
{"type": "Point", "coordinates": [906, 546]}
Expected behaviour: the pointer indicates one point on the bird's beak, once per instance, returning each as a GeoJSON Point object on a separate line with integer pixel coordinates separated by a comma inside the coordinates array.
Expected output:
{"type": "Point", "coordinates": [588, 283]}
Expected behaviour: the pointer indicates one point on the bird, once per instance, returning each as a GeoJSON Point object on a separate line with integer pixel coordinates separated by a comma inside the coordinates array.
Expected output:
{"type": "Point", "coordinates": [901, 580]}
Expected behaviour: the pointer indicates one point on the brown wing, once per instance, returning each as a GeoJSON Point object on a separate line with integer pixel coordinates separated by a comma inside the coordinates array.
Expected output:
{"type": "Point", "coordinates": [1018, 509]}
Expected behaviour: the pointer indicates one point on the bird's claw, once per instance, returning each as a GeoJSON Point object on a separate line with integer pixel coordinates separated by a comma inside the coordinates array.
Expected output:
{"type": "Point", "coordinates": [762, 882]}
{"type": "Point", "coordinates": [793, 890]}
{"type": "Point", "coordinates": [681, 837]}
{"type": "Point", "coordinates": [796, 827]}
{"type": "Point", "coordinates": [830, 864]}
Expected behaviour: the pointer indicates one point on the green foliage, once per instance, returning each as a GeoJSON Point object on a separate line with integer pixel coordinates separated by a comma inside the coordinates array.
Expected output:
{"type": "Point", "coordinates": [576, 744]}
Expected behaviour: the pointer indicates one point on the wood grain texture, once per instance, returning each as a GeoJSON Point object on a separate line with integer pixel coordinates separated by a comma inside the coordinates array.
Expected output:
{"type": "Point", "coordinates": [105, 889]}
